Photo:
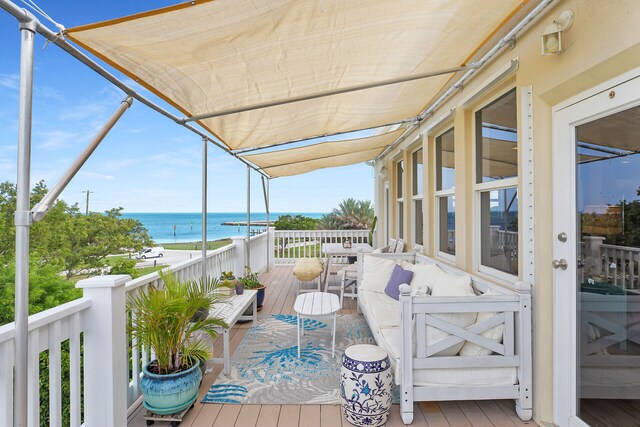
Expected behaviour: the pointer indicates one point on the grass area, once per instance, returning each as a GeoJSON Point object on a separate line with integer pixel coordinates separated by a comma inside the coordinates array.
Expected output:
{"type": "Point", "coordinates": [146, 270]}
{"type": "Point", "coordinates": [299, 251]}
{"type": "Point", "coordinates": [194, 246]}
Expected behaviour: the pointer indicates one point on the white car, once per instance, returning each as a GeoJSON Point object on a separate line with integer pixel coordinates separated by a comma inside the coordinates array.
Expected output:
{"type": "Point", "coordinates": [154, 252]}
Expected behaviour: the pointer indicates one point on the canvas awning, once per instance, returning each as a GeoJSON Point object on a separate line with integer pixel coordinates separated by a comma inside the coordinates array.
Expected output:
{"type": "Point", "coordinates": [296, 161]}
{"type": "Point", "coordinates": [209, 56]}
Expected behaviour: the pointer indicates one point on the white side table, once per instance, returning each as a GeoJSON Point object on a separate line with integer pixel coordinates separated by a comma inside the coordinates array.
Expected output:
{"type": "Point", "coordinates": [317, 304]}
{"type": "Point", "coordinates": [365, 385]}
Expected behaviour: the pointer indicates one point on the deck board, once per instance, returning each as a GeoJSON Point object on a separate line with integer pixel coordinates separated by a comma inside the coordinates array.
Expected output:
{"type": "Point", "coordinates": [280, 295]}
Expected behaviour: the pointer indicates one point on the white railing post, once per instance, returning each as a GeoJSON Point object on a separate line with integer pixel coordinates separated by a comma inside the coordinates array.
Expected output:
{"type": "Point", "coordinates": [105, 351]}
{"type": "Point", "coordinates": [238, 257]}
{"type": "Point", "coordinates": [270, 248]}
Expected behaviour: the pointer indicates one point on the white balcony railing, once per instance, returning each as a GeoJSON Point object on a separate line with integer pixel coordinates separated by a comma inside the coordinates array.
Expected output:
{"type": "Point", "coordinates": [289, 245]}
{"type": "Point", "coordinates": [94, 329]}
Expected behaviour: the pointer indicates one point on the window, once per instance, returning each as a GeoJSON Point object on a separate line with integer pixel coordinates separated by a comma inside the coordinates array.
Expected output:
{"type": "Point", "coordinates": [416, 190]}
{"type": "Point", "coordinates": [445, 193]}
{"type": "Point", "coordinates": [497, 183]}
{"type": "Point", "coordinates": [399, 198]}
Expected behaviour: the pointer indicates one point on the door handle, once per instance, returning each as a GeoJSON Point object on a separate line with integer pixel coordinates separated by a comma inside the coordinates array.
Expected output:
{"type": "Point", "coordinates": [561, 264]}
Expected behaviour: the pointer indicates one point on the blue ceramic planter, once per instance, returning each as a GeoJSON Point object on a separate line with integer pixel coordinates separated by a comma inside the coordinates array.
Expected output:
{"type": "Point", "coordinates": [170, 393]}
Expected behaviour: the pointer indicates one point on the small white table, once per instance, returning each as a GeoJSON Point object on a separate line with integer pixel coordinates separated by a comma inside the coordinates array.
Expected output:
{"type": "Point", "coordinates": [231, 310]}
{"type": "Point", "coordinates": [317, 304]}
{"type": "Point", "coordinates": [333, 250]}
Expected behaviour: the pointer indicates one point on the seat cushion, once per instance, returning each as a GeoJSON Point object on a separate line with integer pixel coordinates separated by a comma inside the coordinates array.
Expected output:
{"type": "Point", "coordinates": [307, 269]}
{"type": "Point", "coordinates": [376, 273]}
{"type": "Point", "coordinates": [384, 310]}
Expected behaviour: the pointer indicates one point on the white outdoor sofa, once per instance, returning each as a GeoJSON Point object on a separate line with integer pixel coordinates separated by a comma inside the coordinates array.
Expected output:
{"type": "Point", "coordinates": [496, 338]}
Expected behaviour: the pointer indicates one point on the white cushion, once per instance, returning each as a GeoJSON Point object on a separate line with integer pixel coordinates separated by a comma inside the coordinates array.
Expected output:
{"type": "Point", "coordinates": [458, 377]}
{"type": "Point", "coordinates": [449, 285]}
{"type": "Point", "coordinates": [386, 314]}
{"type": "Point", "coordinates": [446, 284]}
{"type": "Point", "coordinates": [421, 274]}
{"type": "Point", "coordinates": [494, 334]}
{"type": "Point", "coordinates": [376, 273]}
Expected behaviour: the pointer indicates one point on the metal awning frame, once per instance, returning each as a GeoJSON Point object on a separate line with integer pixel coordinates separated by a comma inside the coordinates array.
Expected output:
{"type": "Point", "coordinates": [29, 25]}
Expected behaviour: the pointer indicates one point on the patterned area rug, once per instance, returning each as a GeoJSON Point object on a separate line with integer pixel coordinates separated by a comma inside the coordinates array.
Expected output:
{"type": "Point", "coordinates": [265, 369]}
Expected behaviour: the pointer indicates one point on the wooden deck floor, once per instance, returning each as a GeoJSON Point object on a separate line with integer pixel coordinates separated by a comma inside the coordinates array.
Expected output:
{"type": "Point", "coordinates": [280, 295]}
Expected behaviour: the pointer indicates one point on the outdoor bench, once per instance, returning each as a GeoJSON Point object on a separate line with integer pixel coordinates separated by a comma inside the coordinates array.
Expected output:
{"type": "Point", "coordinates": [453, 346]}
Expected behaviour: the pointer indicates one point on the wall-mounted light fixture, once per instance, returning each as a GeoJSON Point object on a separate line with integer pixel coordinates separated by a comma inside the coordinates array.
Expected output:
{"type": "Point", "coordinates": [552, 36]}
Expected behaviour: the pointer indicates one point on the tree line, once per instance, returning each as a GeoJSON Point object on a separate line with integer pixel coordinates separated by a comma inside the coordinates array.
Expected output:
{"type": "Point", "coordinates": [351, 214]}
{"type": "Point", "coordinates": [65, 244]}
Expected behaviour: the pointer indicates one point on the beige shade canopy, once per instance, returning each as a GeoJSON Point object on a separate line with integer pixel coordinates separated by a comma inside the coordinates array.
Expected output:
{"type": "Point", "coordinates": [301, 160]}
{"type": "Point", "coordinates": [209, 56]}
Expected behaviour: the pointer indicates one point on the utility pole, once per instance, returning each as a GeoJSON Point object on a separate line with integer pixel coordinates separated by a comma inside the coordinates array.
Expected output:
{"type": "Point", "coordinates": [86, 212]}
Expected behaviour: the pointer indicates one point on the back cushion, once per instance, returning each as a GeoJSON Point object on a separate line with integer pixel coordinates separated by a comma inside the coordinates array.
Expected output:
{"type": "Point", "coordinates": [421, 275]}
{"type": "Point", "coordinates": [376, 273]}
{"type": "Point", "coordinates": [450, 285]}
{"type": "Point", "coordinates": [494, 334]}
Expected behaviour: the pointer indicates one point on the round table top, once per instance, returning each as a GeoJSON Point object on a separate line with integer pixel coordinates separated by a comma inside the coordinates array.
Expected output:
{"type": "Point", "coordinates": [366, 353]}
{"type": "Point", "coordinates": [316, 304]}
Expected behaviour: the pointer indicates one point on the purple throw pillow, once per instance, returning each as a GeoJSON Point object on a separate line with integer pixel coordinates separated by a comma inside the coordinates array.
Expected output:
{"type": "Point", "coordinates": [398, 277]}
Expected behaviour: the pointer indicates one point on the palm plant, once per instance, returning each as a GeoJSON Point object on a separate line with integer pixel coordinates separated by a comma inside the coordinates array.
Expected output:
{"type": "Point", "coordinates": [352, 214]}
{"type": "Point", "coordinates": [166, 320]}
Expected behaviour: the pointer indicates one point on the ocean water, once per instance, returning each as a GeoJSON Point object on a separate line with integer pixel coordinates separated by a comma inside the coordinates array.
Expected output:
{"type": "Point", "coordinates": [188, 226]}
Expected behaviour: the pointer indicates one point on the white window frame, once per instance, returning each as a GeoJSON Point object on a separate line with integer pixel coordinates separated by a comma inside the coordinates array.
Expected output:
{"type": "Point", "coordinates": [415, 198]}
{"type": "Point", "coordinates": [387, 211]}
{"type": "Point", "coordinates": [502, 184]}
{"type": "Point", "coordinates": [438, 194]}
{"type": "Point", "coordinates": [399, 200]}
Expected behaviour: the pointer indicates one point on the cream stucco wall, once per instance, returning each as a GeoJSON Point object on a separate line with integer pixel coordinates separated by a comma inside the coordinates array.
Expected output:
{"type": "Point", "coordinates": [603, 42]}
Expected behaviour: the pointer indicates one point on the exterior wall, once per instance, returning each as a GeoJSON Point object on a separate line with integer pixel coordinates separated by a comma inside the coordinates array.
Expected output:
{"type": "Point", "coordinates": [602, 43]}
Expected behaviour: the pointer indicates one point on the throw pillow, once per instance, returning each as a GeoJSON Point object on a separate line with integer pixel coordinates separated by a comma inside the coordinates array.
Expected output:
{"type": "Point", "coordinates": [494, 334]}
{"type": "Point", "coordinates": [398, 277]}
{"type": "Point", "coordinates": [376, 273]}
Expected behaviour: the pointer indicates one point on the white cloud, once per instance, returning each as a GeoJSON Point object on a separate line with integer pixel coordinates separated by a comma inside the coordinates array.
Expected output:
{"type": "Point", "coordinates": [56, 139]}
{"type": "Point", "coordinates": [49, 92]}
{"type": "Point", "coordinates": [10, 81]}
{"type": "Point", "coordinates": [82, 112]}
{"type": "Point", "coordinates": [96, 175]}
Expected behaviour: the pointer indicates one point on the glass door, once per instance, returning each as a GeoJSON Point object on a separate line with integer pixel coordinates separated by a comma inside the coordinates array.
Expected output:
{"type": "Point", "coordinates": [608, 269]}
{"type": "Point", "coordinates": [596, 256]}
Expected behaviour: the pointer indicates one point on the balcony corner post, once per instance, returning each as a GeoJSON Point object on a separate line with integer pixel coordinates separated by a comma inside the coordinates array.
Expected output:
{"type": "Point", "coordinates": [271, 263]}
{"type": "Point", "coordinates": [239, 255]}
{"type": "Point", "coordinates": [105, 351]}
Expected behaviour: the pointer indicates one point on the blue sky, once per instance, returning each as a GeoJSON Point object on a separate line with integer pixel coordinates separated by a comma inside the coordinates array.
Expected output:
{"type": "Point", "coordinates": [147, 163]}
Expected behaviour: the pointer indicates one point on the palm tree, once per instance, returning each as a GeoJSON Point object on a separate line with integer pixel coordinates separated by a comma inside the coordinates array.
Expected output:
{"type": "Point", "coordinates": [329, 222]}
{"type": "Point", "coordinates": [351, 214]}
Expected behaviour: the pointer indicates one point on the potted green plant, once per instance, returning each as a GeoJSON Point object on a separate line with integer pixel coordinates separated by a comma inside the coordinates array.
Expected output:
{"type": "Point", "coordinates": [165, 321]}
{"type": "Point", "coordinates": [228, 283]}
{"type": "Point", "coordinates": [251, 280]}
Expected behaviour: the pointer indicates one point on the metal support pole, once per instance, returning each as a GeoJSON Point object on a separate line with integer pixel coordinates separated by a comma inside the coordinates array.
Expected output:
{"type": "Point", "coordinates": [204, 210]}
{"type": "Point", "coordinates": [327, 93]}
{"type": "Point", "coordinates": [265, 192]}
{"type": "Point", "coordinates": [23, 223]}
{"type": "Point", "coordinates": [40, 210]}
{"type": "Point", "coordinates": [248, 246]}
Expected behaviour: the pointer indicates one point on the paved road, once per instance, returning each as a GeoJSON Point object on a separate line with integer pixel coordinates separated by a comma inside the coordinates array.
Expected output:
{"type": "Point", "coordinates": [170, 257]}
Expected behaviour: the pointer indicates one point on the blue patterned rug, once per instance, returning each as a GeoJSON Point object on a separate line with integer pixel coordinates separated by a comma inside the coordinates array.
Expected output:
{"type": "Point", "coordinates": [265, 368]}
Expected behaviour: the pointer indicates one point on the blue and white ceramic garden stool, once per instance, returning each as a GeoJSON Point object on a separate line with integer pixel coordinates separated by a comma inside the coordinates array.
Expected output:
{"type": "Point", "coordinates": [365, 385]}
